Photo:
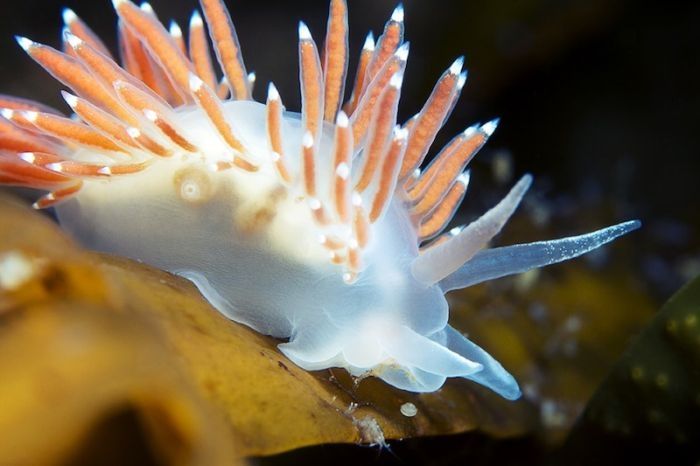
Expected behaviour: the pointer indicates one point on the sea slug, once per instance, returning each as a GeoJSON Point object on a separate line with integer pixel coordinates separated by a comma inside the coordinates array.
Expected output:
{"type": "Point", "coordinates": [319, 228]}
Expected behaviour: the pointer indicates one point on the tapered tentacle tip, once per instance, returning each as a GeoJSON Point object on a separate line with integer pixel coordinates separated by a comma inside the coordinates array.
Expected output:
{"type": "Point", "coordinates": [307, 140]}
{"type": "Point", "coordinates": [356, 199]}
{"type": "Point", "coordinates": [30, 115]}
{"type": "Point", "coordinates": [69, 16]}
{"type": "Point", "coordinates": [272, 92]}
{"type": "Point", "coordinates": [402, 52]}
{"type": "Point", "coordinates": [150, 115]}
{"type": "Point", "coordinates": [25, 43]}
{"type": "Point", "coordinates": [342, 120]}
{"type": "Point", "coordinates": [304, 33]}
{"type": "Point", "coordinates": [117, 3]}
{"type": "Point", "coordinates": [629, 226]}
{"type": "Point", "coordinates": [175, 30]}
{"type": "Point", "coordinates": [28, 157]}
{"type": "Point", "coordinates": [398, 14]}
{"type": "Point", "coordinates": [524, 183]}
{"type": "Point", "coordinates": [489, 127]}
{"type": "Point", "coordinates": [369, 42]}
{"type": "Point", "coordinates": [343, 171]}
{"type": "Point", "coordinates": [70, 99]}
{"type": "Point", "coordinates": [456, 67]}
{"type": "Point", "coordinates": [146, 8]}
{"type": "Point", "coordinates": [464, 178]}
{"type": "Point", "coordinates": [400, 133]}
{"type": "Point", "coordinates": [396, 80]}
{"type": "Point", "coordinates": [613, 232]}
{"type": "Point", "coordinates": [196, 20]}
{"type": "Point", "coordinates": [195, 82]}
{"type": "Point", "coordinates": [471, 130]}
{"type": "Point", "coordinates": [456, 230]}
{"type": "Point", "coordinates": [73, 40]}
{"type": "Point", "coordinates": [462, 80]}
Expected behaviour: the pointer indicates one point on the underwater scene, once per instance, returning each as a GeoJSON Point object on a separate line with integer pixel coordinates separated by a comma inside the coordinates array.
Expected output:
{"type": "Point", "coordinates": [349, 232]}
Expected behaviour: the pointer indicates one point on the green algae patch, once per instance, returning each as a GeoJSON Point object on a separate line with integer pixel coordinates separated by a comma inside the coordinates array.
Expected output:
{"type": "Point", "coordinates": [649, 405]}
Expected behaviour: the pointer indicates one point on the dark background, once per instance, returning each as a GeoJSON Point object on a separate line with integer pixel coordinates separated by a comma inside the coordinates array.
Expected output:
{"type": "Point", "coordinates": [598, 98]}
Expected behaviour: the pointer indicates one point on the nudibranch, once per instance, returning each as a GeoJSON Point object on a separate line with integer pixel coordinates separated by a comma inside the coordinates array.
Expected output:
{"type": "Point", "coordinates": [318, 228]}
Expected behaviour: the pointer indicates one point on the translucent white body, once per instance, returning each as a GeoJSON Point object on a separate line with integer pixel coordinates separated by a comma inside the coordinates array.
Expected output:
{"type": "Point", "coordinates": [257, 258]}
{"type": "Point", "coordinates": [253, 250]}
{"type": "Point", "coordinates": [256, 206]}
